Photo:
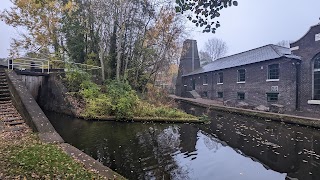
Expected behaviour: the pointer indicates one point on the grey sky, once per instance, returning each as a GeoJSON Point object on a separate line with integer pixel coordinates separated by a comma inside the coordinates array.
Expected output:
{"type": "Point", "coordinates": [255, 23]}
{"type": "Point", "coordinates": [252, 24]}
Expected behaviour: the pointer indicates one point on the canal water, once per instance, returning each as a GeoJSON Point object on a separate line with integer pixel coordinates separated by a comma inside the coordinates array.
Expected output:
{"type": "Point", "coordinates": [230, 147]}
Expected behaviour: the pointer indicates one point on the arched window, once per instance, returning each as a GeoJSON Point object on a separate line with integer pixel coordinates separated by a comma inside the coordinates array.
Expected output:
{"type": "Point", "coordinates": [316, 77]}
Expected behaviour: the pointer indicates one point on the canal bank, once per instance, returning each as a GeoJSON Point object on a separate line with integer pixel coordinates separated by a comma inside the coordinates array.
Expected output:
{"type": "Point", "coordinates": [232, 146]}
{"type": "Point", "coordinates": [218, 106]}
{"type": "Point", "coordinates": [26, 105]}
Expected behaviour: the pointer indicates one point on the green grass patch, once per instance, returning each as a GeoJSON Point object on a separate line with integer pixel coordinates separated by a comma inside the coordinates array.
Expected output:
{"type": "Point", "coordinates": [47, 161]}
{"type": "Point", "coordinates": [23, 156]}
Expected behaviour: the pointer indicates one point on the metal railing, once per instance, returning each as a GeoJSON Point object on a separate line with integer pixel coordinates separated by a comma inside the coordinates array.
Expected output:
{"type": "Point", "coordinates": [46, 65]}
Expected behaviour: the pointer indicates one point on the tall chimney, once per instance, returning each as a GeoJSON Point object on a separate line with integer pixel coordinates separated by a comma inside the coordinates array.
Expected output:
{"type": "Point", "coordinates": [189, 61]}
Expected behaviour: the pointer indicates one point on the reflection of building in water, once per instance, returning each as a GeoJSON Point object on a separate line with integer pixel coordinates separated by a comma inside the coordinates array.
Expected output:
{"type": "Point", "coordinates": [282, 147]}
{"type": "Point", "coordinates": [188, 138]}
{"type": "Point", "coordinates": [256, 140]}
{"type": "Point", "coordinates": [272, 144]}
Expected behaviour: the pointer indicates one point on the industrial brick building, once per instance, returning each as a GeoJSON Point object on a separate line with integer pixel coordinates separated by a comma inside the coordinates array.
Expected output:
{"type": "Point", "coordinates": [265, 78]}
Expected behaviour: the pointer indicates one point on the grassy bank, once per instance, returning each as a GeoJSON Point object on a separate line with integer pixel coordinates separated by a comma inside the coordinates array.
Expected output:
{"type": "Point", "coordinates": [23, 156]}
{"type": "Point", "coordinates": [116, 99]}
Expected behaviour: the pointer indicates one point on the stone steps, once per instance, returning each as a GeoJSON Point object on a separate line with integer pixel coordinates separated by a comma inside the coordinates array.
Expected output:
{"type": "Point", "coordinates": [5, 98]}
{"type": "Point", "coordinates": [194, 94]}
{"type": "Point", "coordinates": [13, 123]}
{"type": "Point", "coordinates": [10, 119]}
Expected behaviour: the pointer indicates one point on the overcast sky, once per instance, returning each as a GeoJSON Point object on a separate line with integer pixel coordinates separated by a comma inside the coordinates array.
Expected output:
{"type": "Point", "coordinates": [253, 23]}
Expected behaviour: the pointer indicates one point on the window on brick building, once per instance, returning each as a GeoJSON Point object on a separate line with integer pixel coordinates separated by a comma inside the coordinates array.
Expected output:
{"type": "Point", "coordinates": [241, 75]}
{"type": "Point", "coordinates": [272, 97]}
{"type": "Point", "coordinates": [241, 96]}
{"type": "Point", "coordinates": [316, 78]}
{"type": "Point", "coordinates": [273, 71]}
{"type": "Point", "coordinates": [205, 79]}
{"type": "Point", "coordinates": [220, 77]}
{"type": "Point", "coordinates": [205, 94]}
{"type": "Point", "coordinates": [220, 94]}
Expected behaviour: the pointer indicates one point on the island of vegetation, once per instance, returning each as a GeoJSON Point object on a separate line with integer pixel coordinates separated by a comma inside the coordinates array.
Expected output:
{"type": "Point", "coordinates": [116, 100]}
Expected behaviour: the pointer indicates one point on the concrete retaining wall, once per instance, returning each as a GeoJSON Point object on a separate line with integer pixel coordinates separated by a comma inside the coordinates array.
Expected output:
{"type": "Point", "coordinates": [37, 120]}
{"type": "Point", "coordinates": [30, 110]}
{"type": "Point", "coordinates": [53, 97]}
{"type": "Point", "coordinates": [33, 83]}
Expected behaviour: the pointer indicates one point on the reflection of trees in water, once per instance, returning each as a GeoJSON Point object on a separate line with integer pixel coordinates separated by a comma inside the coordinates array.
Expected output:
{"type": "Point", "coordinates": [170, 138]}
{"type": "Point", "coordinates": [212, 143]}
{"type": "Point", "coordinates": [135, 150]}
{"type": "Point", "coordinates": [160, 163]}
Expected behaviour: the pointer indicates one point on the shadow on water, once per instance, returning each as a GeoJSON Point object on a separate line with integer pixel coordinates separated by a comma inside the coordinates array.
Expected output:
{"type": "Point", "coordinates": [230, 147]}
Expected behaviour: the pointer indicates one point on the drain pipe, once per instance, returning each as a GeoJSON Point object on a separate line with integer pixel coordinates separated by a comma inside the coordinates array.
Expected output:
{"type": "Point", "coordinates": [298, 69]}
{"type": "Point", "coordinates": [192, 52]}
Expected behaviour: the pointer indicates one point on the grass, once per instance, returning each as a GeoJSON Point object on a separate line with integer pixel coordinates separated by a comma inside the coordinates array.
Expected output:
{"type": "Point", "coordinates": [23, 156]}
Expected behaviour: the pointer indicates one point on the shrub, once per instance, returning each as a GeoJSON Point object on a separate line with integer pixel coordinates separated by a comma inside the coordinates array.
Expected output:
{"type": "Point", "coordinates": [89, 90]}
{"type": "Point", "coordinates": [120, 100]}
{"type": "Point", "coordinates": [99, 106]}
{"type": "Point", "coordinates": [74, 78]}
{"type": "Point", "coordinates": [123, 97]}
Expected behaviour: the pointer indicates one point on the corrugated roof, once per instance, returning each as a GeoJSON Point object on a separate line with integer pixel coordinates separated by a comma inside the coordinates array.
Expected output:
{"type": "Point", "coordinates": [260, 54]}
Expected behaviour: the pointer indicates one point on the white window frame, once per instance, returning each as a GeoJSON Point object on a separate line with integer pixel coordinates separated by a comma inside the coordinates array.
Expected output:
{"type": "Point", "coordinates": [218, 80]}
{"type": "Point", "coordinates": [203, 83]}
{"type": "Point", "coordinates": [314, 101]}
{"type": "Point", "coordinates": [238, 76]}
{"type": "Point", "coordinates": [268, 75]}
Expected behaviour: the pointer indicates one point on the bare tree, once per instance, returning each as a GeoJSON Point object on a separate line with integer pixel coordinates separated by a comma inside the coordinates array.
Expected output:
{"type": "Point", "coordinates": [284, 43]}
{"type": "Point", "coordinates": [205, 58]}
{"type": "Point", "coordinates": [216, 48]}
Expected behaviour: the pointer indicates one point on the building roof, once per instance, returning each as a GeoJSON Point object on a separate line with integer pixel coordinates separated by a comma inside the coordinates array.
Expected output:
{"type": "Point", "coordinates": [264, 53]}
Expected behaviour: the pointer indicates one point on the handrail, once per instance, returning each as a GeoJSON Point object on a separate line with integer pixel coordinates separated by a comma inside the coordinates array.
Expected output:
{"type": "Point", "coordinates": [42, 64]}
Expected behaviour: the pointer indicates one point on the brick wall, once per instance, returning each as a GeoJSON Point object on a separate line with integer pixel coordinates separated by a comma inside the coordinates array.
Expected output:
{"type": "Point", "coordinates": [255, 86]}
{"type": "Point", "coordinates": [189, 61]}
{"type": "Point", "coordinates": [307, 48]}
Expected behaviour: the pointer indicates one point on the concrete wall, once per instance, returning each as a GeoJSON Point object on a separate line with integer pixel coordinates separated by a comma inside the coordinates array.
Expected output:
{"type": "Point", "coordinates": [30, 110]}
{"type": "Point", "coordinates": [48, 91]}
{"type": "Point", "coordinates": [255, 87]}
{"type": "Point", "coordinates": [37, 120]}
{"type": "Point", "coordinates": [307, 47]}
{"type": "Point", "coordinates": [53, 96]}
{"type": "Point", "coordinates": [33, 83]}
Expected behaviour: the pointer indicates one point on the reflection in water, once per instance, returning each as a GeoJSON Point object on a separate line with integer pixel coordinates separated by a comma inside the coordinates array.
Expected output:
{"type": "Point", "coordinates": [231, 147]}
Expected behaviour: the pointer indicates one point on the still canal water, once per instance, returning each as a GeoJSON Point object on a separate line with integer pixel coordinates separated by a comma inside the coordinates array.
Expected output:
{"type": "Point", "coordinates": [230, 147]}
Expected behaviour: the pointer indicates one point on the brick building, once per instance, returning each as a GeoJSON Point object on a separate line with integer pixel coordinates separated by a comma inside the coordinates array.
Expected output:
{"type": "Point", "coordinates": [267, 78]}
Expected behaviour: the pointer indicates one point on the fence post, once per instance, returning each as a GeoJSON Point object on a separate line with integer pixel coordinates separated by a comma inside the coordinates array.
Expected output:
{"type": "Point", "coordinates": [11, 64]}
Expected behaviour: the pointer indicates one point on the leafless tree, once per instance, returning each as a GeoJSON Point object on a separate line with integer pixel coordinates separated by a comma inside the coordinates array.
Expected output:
{"type": "Point", "coordinates": [205, 58]}
{"type": "Point", "coordinates": [216, 48]}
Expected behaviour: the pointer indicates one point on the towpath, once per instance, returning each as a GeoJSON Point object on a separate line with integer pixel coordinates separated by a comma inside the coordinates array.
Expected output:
{"type": "Point", "coordinates": [302, 118]}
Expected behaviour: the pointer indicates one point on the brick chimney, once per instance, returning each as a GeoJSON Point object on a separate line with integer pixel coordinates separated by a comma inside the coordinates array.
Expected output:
{"type": "Point", "coordinates": [189, 61]}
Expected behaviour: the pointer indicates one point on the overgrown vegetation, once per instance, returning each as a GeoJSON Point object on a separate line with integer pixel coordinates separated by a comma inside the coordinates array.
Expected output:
{"type": "Point", "coordinates": [23, 156]}
{"type": "Point", "coordinates": [118, 99]}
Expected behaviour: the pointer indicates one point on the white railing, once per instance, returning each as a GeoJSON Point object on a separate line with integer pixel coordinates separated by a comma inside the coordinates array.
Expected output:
{"type": "Point", "coordinates": [44, 64]}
